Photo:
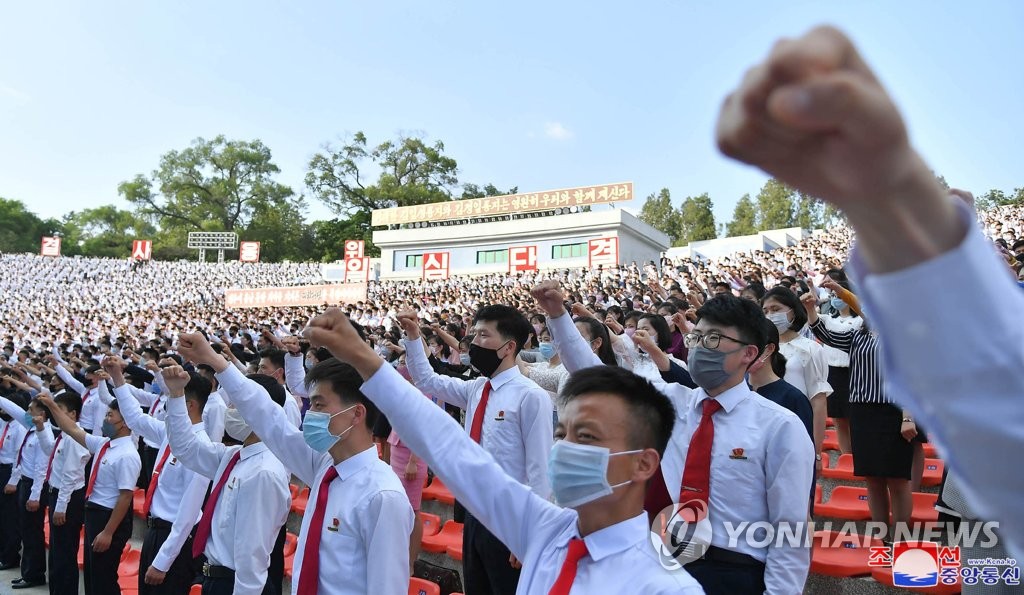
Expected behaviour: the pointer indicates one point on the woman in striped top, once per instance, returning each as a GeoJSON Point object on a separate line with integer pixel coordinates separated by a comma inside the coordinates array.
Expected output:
{"type": "Point", "coordinates": [880, 431]}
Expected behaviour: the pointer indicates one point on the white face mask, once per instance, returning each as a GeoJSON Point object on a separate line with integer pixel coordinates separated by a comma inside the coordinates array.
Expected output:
{"type": "Point", "coordinates": [780, 320]}
{"type": "Point", "coordinates": [235, 426]}
{"type": "Point", "coordinates": [578, 473]}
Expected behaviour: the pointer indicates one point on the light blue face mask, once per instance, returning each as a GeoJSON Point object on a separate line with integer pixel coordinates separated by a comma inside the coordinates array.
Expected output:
{"type": "Point", "coordinates": [578, 473]}
{"type": "Point", "coordinates": [838, 304]}
{"type": "Point", "coordinates": [316, 433]}
{"type": "Point", "coordinates": [27, 421]}
{"type": "Point", "coordinates": [464, 359]}
{"type": "Point", "coordinates": [547, 350]}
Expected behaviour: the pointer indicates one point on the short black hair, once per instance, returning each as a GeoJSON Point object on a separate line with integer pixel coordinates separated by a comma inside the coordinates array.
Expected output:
{"type": "Point", "coordinates": [756, 288]}
{"type": "Point", "coordinates": [71, 401]}
{"type": "Point", "coordinates": [345, 382]}
{"type": "Point", "coordinates": [787, 298]}
{"type": "Point", "coordinates": [198, 388]}
{"type": "Point", "coordinates": [651, 414]}
{"type": "Point", "coordinates": [744, 315]}
{"type": "Point", "coordinates": [275, 390]}
{"type": "Point", "coordinates": [275, 355]}
{"type": "Point", "coordinates": [511, 323]}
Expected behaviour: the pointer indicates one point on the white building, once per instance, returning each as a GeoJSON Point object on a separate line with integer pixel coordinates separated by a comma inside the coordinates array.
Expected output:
{"type": "Point", "coordinates": [604, 236]}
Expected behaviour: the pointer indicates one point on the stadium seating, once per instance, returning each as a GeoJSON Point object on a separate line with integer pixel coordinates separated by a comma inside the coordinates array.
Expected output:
{"type": "Point", "coordinates": [845, 502]}
{"type": "Point", "coordinates": [438, 491]}
{"type": "Point", "coordinates": [139, 502]}
{"type": "Point", "coordinates": [924, 508]}
{"type": "Point", "coordinates": [300, 501]}
{"type": "Point", "coordinates": [419, 586]}
{"type": "Point", "coordinates": [932, 472]}
{"type": "Point", "coordinates": [450, 534]}
{"type": "Point", "coordinates": [843, 469]}
{"type": "Point", "coordinates": [840, 554]}
{"type": "Point", "coordinates": [431, 523]}
{"type": "Point", "coordinates": [831, 441]}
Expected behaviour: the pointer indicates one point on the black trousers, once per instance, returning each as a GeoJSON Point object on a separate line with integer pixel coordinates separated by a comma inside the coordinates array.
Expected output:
{"type": "Point", "coordinates": [275, 572]}
{"type": "Point", "coordinates": [33, 555]}
{"type": "Point", "coordinates": [10, 529]}
{"type": "Point", "coordinates": [181, 573]}
{"type": "Point", "coordinates": [485, 566]}
{"type": "Point", "coordinates": [101, 567]}
{"type": "Point", "coordinates": [64, 543]}
{"type": "Point", "coordinates": [225, 585]}
{"type": "Point", "coordinates": [723, 578]}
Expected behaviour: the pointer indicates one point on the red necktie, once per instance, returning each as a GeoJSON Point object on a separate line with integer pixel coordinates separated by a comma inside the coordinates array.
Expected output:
{"type": "Point", "coordinates": [21, 450]}
{"type": "Point", "coordinates": [96, 469]}
{"type": "Point", "coordinates": [577, 549]}
{"type": "Point", "coordinates": [309, 571]}
{"type": "Point", "coordinates": [49, 464]}
{"type": "Point", "coordinates": [4, 435]}
{"type": "Point", "coordinates": [152, 410]}
{"type": "Point", "coordinates": [696, 486]}
{"type": "Point", "coordinates": [155, 480]}
{"type": "Point", "coordinates": [85, 398]}
{"type": "Point", "coordinates": [478, 415]}
{"type": "Point", "coordinates": [206, 523]}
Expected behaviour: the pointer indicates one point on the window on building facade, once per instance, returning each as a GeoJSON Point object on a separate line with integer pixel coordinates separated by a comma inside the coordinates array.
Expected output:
{"type": "Point", "coordinates": [568, 251]}
{"type": "Point", "coordinates": [491, 256]}
{"type": "Point", "coordinates": [413, 261]}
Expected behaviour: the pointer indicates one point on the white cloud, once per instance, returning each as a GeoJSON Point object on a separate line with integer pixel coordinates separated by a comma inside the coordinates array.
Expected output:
{"type": "Point", "coordinates": [556, 131]}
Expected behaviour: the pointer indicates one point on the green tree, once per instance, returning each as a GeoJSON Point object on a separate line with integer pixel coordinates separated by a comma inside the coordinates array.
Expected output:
{"type": "Point", "coordinates": [213, 185]}
{"type": "Point", "coordinates": [474, 191]}
{"type": "Point", "coordinates": [21, 230]}
{"type": "Point", "coordinates": [997, 198]}
{"type": "Point", "coordinates": [696, 220]}
{"type": "Point", "coordinates": [106, 231]}
{"type": "Point", "coordinates": [775, 206]}
{"type": "Point", "coordinates": [810, 212]}
{"type": "Point", "coordinates": [659, 213]}
{"type": "Point", "coordinates": [411, 172]}
{"type": "Point", "coordinates": [281, 232]}
{"type": "Point", "coordinates": [328, 236]}
{"type": "Point", "coordinates": [744, 218]}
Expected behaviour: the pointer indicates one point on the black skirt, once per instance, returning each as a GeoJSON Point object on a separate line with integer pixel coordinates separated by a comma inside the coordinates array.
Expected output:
{"type": "Point", "coordinates": [879, 449]}
{"type": "Point", "coordinates": [839, 400]}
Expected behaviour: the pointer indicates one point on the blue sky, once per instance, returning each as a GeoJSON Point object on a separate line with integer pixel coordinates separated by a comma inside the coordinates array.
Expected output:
{"type": "Point", "coordinates": [532, 94]}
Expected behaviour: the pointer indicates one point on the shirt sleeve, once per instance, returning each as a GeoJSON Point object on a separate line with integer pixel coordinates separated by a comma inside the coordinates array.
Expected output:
{"type": "Point", "coordinates": [955, 358]}
{"type": "Point", "coordinates": [131, 411]}
{"type": "Point", "coordinates": [450, 390]}
{"type": "Point", "coordinates": [789, 468]}
{"type": "Point", "coordinates": [676, 374]}
{"type": "Point", "coordinates": [571, 347]}
{"type": "Point", "coordinates": [295, 375]}
{"type": "Point", "coordinates": [128, 469]}
{"type": "Point", "coordinates": [538, 436]}
{"type": "Point", "coordinates": [104, 394]}
{"type": "Point", "coordinates": [201, 456]}
{"type": "Point", "coordinates": [269, 422]}
{"type": "Point", "coordinates": [841, 339]}
{"type": "Point", "coordinates": [213, 417]}
{"type": "Point", "coordinates": [509, 509]}
{"type": "Point", "coordinates": [816, 371]}
{"type": "Point", "coordinates": [387, 524]}
{"type": "Point", "coordinates": [11, 408]}
{"type": "Point", "coordinates": [255, 536]}
{"type": "Point", "coordinates": [69, 379]}
{"type": "Point", "coordinates": [186, 518]}
{"type": "Point", "coordinates": [144, 397]}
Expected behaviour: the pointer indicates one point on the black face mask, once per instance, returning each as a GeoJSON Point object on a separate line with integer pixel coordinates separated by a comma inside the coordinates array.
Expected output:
{"type": "Point", "coordinates": [483, 359]}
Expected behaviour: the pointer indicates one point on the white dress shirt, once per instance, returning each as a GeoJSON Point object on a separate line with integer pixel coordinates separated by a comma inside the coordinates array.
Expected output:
{"type": "Point", "coordinates": [292, 410]}
{"type": "Point", "coordinates": [93, 410]}
{"type": "Point", "coordinates": [621, 558]}
{"type": "Point", "coordinates": [68, 472]}
{"type": "Point", "coordinates": [368, 516]}
{"type": "Point", "coordinates": [517, 426]}
{"type": "Point", "coordinates": [772, 483]}
{"type": "Point", "coordinates": [118, 469]}
{"type": "Point", "coordinates": [179, 494]}
{"type": "Point", "coordinates": [955, 360]}
{"type": "Point", "coordinates": [252, 506]}
{"type": "Point", "coordinates": [806, 366]}
{"type": "Point", "coordinates": [33, 457]}
{"type": "Point", "coordinates": [295, 374]}
{"type": "Point", "coordinates": [12, 441]}
{"type": "Point", "coordinates": [213, 415]}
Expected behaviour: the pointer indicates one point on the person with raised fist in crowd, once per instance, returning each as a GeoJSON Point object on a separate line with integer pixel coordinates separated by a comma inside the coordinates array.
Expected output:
{"type": "Point", "coordinates": [613, 427]}
{"type": "Point", "coordinates": [355, 535]}
{"type": "Point", "coordinates": [11, 437]}
{"type": "Point", "coordinates": [508, 414]}
{"type": "Point", "coordinates": [815, 116]}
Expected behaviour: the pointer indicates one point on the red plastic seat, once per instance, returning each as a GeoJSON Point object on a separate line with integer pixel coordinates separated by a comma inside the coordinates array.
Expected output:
{"type": "Point", "coordinates": [128, 584]}
{"type": "Point", "coordinates": [431, 523]}
{"type": "Point", "coordinates": [830, 423]}
{"type": "Point", "coordinates": [924, 508]}
{"type": "Point", "coordinates": [138, 502]}
{"type": "Point", "coordinates": [129, 565]}
{"type": "Point", "coordinates": [419, 586]}
{"type": "Point", "coordinates": [450, 534]}
{"type": "Point", "coordinates": [294, 489]}
{"type": "Point", "coordinates": [932, 472]}
{"type": "Point", "coordinates": [841, 554]}
{"type": "Point", "coordinates": [455, 552]}
{"type": "Point", "coordinates": [842, 470]}
{"type": "Point", "coordinates": [300, 501]}
{"type": "Point", "coordinates": [883, 575]}
{"type": "Point", "coordinates": [291, 542]}
{"type": "Point", "coordinates": [195, 590]}
{"type": "Point", "coordinates": [831, 441]}
{"type": "Point", "coordinates": [289, 565]}
{"type": "Point", "coordinates": [438, 491]}
{"type": "Point", "coordinates": [817, 493]}
{"type": "Point", "coordinates": [845, 502]}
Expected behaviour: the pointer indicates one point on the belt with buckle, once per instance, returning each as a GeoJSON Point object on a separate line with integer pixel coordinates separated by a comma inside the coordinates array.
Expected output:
{"type": "Point", "coordinates": [213, 571]}
{"type": "Point", "coordinates": [154, 523]}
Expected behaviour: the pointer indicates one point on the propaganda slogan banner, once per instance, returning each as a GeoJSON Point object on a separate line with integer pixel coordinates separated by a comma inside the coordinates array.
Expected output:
{"type": "Point", "coordinates": [304, 295]}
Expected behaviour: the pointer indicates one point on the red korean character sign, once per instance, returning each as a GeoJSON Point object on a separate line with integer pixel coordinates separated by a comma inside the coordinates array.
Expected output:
{"type": "Point", "coordinates": [50, 246]}
{"type": "Point", "coordinates": [142, 249]}
{"type": "Point", "coordinates": [604, 251]}
{"type": "Point", "coordinates": [353, 249]}
{"type": "Point", "coordinates": [435, 265]}
{"type": "Point", "coordinates": [248, 251]}
{"type": "Point", "coordinates": [357, 269]}
{"type": "Point", "coordinates": [522, 258]}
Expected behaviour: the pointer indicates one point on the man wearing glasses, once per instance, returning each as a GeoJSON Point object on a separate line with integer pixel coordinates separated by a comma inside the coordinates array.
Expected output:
{"type": "Point", "coordinates": [734, 457]}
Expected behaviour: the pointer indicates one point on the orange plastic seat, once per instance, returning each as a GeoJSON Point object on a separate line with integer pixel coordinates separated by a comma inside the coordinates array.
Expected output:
{"type": "Point", "coordinates": [431, 523]}
{"type": "Point", "coordinates": [195, 590]}
{"type": "Point", "coordinates": [438, 491]}
{"type": "Point", "coordinates": [817, 493]}
{"type": "Point", "coordinates": [842, 470]}
{"type": "Point", "coordinates": [294, 489]}
{"type": "Point", "coordinates": [128, 584]}
{"type": "Point", "coordinates": [831, 441]}
{"type": "Point", "coordinates": [291, 542]}
{"type": "Point", "coordinates": [450, 534]}
{"type": "Point", "coordinates": [841, 554]}
{"type": "Point", "coordinates": [419, 586]}
{"type": "Point", "coordinates": [830, 423]}
{"type": "Point", "coordinates": [924, 508]}
{"type": "Point", "coordinates": [930, 452]}
{"type": "Point", "coordinates": [138, 502]}
{"type": "Point", "coordinates": [932, 472]}
{"type": "Point", "coordinates": [455, 552]}
{"type": "Point", "coordinates": [289, 565]}
{"type": "Point", "coordinates": [845, 502]}
{"type": "Point", "coordinates": [129, 565]}
{"type": "Point", "coordinates": [883, 575]}
{"type": "Point", "coordinates": [299, 502]}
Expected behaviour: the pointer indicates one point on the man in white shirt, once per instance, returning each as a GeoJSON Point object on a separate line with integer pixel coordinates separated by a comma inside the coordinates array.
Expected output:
{"type": "Point", "coordinates": [12, 433]}
{"type": "Point", "coordinates": [93, 410]}
{"type": "Point", "coordinates": [508, 414]}
{"type": "Point", "coordinates": [173, 504]}
{"type": "Point", "coordinates": [358, 519]}
{"type": "Point", "coordinates": [216, 407]}
{"type": "Point", "coordinates": [272, 364]}
{"type": "Point", "coordinates": [769, 480]}
{"type": "Point", "coordinates": [108, 493]}
{"type": "Point", "coordinates": [602, 543]}
{"type": "Point", "coordinates": [250, 499]}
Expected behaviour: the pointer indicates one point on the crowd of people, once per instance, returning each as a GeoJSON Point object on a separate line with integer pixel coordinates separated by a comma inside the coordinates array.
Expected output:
{"type": "Point", "coordinates": [582, 408]}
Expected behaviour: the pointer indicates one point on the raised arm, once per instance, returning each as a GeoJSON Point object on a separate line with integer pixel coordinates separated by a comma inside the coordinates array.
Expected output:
{"type": "Point", "coordinates": [571, 347]}
{"type": "Point", "coordinates": [199, 455]}
{"type": "Point", "coordinates": [64, 422]}
{"type": "Point", "coordinates": [842, 340]}
{"type": "Point", "coordinates": [446, 388]}
{"type": "Point", "coordinates": [68, 378]}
